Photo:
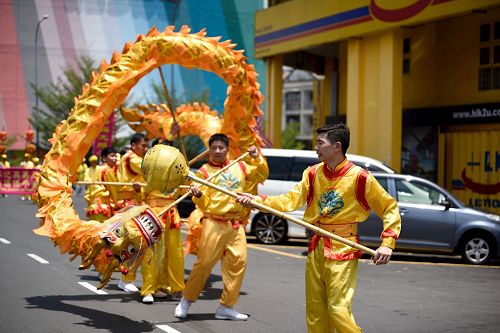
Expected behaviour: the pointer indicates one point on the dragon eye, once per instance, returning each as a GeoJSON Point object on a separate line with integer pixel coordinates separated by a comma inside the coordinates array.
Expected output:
{"type": "Point", "coordinates": [118, 232]}
{"type": "Point", "coordinates": [131, 249]}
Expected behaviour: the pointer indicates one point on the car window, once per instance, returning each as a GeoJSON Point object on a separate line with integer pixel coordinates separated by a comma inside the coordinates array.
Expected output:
{"type": "Point", "coordinates": [299, 165]}
{"type": "Point", "coordinates": [416, 192]}
{"type": "Point", "coordinates": [279, 167]}
{"type": "Point", "coordinates": [383, 181]}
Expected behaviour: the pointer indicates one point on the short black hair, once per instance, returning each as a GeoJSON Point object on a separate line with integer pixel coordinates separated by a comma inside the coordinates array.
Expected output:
{"type": "Point", "coordinates": [337, 133]}
{"type": "Point", "coordinates": [136, 138]}
{"type": "Point", "coordinates": [219, 137]}
{"type": "Point", "coordinates": [106, 151]}
{"type": "Point", "coordinates": [163, 142]}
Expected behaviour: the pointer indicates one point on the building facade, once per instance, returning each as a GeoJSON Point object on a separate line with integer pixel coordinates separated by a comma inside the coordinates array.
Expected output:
{"type": "Point", "coordinates": [417, 81]}
{"type": "Point", "coordinates": [96, 28]}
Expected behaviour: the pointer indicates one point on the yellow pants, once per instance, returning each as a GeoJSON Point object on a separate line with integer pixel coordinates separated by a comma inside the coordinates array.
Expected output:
{"type": "Point", "coordinates": [219, 240]}
{"type": "Point", "coordinates": [163, 268]}
{"type": "Point", "coordinates": [330, 286]}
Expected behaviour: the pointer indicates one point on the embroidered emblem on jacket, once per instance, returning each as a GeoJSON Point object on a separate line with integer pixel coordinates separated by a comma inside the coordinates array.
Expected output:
{"type": "Point", "coordinates": [330, 203]}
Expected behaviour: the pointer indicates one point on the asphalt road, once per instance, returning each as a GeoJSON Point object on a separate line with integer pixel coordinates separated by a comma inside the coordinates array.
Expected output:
{"type": "Point", "coordinates": [42, 291]}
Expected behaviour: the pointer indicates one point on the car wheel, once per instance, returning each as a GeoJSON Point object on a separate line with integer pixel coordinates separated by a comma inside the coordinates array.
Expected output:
{"type": "Point", "coordinates": [270, 229]}
{"type": "Point", "coordinates": [477, 250]}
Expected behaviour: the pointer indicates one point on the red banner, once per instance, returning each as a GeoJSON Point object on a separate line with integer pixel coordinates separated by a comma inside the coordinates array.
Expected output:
{"type": "Point", "coordinates": [105, 138]}
{"type": "Point", "coordinates": [17, 180]}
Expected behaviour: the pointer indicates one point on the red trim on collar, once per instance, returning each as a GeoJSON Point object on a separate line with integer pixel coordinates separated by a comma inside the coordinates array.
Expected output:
{"type": "Point", "coordinates": [212, 164]}
{"type": "Point", "coordinates": [340, 170]}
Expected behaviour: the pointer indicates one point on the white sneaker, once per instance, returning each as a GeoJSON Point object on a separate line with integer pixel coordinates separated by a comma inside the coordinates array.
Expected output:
{"type": "Point", "coordinates": [148, 299]}
{"type": "Point", "coordinates": [128, 287]}
{"type": "Point", "coordinates": [229, 313]}
{"type": "Point", "coordinates": [181, 311]}
{"type": "Point", "coordinates": [160, 294]}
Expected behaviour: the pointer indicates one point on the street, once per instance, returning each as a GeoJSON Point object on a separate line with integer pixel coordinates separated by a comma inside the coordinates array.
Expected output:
{"type": "Point", "coordinates": [45, 292]}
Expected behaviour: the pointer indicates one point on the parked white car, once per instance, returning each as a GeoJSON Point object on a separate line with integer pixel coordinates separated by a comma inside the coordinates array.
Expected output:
{"type": "Point", "coordinates": [285, 170]}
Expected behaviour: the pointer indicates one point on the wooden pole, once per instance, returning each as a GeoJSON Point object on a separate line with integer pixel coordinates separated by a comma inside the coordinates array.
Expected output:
{"type": "Point", "coordinates": [118, 184]}
{"type": "Point", "coordinates": [166, 209]}
{"type": "Point", "coordinates": [198, 157]}
{"type": "Point", "coordinates": [172, 111]}
{"type": "Point", "coordinates": [286, 216]}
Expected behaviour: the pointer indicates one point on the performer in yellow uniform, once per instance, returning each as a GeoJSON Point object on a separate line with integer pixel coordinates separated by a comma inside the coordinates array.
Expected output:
{"type": "Point", "coordinates": [27, 163]}
{"type": "Point", "coordinates": [129, 171]}
{"type": "Point", "coordinates": [102, 197]}
{"type": "Point", "coordinates": [91, 175]}
{"type": "Point", "coordinates": [223, 234]}
{"type": "Point", "coordinates": [162, 269]}
{"type": "Point", "coordinates": [4, 163]}
{"type": "Point", "coordinates": [339, 195]}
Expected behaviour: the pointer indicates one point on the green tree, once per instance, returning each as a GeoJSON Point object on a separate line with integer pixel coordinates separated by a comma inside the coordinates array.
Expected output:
{"type": "Point", "coordinates": [58, 99]}
{"type": "Point", "coordinates": [289, 135]}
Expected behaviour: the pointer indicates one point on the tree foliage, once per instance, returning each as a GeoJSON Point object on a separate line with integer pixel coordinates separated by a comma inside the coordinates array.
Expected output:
{"type": "Point", "coordinates": [58, 100]}
{"type": "Point", "coordinates": [289, 135]}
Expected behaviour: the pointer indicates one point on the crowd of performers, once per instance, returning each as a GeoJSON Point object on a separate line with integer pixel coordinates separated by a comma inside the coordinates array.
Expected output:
{"type": "Point", "coordinates": [338, 195]}
{"type": "Point", "coordinates": [28, 162]}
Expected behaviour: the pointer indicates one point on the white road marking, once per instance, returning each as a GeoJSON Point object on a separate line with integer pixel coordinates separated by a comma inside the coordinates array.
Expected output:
{"type": "Point", "coordinates": [167, 329]}
{"type": "Point", "coordinates": [3, 240]}
{"type": "Point", "coordinates": [37, 258]}
{"type": "Point", "coordinates": [92, 288]}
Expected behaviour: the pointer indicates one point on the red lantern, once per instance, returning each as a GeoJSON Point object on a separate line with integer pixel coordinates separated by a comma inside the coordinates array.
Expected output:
{"type": "Point", "coordinates": [30, 135]}
{"type": "Point", "coordinates": [3, 136]}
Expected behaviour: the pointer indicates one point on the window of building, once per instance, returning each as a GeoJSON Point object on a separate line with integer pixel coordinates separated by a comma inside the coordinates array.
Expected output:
{"type": "Point", "coordinates": [298, 107]}
{"type": "Point", "coordinates": [489, 56]}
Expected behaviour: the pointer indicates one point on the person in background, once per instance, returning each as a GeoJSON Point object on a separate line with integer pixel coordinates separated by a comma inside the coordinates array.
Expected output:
{"type": "Point", "coordinates": [27, 163]}
{"type": "Point", "coordinates": [4, 163]}
{"type": "Point", "coordinates": [223, 233]}
{"type": "Point", "coordinates": [129, 171]}
{"type": "Point", "coordinates": [101, 205]}
{"type": "Point", "coordinates": [91, 175]}
{"type": "Point", "coordinates": [162, 268]}
{"type": "Point", "coordinates": [79, 189]}
{"type": "Point", "coordinates": [338, 195]}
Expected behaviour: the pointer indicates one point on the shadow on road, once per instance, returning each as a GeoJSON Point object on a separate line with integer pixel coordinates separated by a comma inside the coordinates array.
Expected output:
{"type": "Point", "coordinates": [96, 318]}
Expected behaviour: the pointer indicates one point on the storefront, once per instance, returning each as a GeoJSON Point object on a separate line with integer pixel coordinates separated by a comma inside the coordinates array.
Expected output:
{"type": "Point", "coordinates": [414, 79]}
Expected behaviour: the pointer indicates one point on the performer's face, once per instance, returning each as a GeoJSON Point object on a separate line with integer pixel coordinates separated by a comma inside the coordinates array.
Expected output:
{"type": "Point", "coordinates": [218, 152]}
{"type": "Point", "coordinates": [326, 150]}
{"type": "Point", "coordinates": [110, 159]}
{"type": "Point", "coordinates": [140, 148]}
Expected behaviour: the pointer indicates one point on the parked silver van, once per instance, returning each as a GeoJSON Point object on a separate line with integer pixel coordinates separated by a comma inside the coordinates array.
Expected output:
{"type": "Point", "coordinates": [285, 170]}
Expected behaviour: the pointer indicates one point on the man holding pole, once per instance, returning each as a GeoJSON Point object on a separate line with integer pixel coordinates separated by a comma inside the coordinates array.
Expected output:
{"type": "Point", "coordinates": [339, 195]}
{"type": "Point", "coordinates": [223, 234]}
{"type": "Point", "coordinates": [129, 171]}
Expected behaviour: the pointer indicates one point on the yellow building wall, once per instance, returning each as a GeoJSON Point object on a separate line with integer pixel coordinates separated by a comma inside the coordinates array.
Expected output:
{"type": "Point", "coordinates": [444, 63]}
{"type": "Point", "coordinates": [372, 98]}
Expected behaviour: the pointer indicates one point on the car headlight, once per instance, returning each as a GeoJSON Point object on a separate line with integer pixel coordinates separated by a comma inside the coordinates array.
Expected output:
{"type": "Point", "coordinates": [493, 217]}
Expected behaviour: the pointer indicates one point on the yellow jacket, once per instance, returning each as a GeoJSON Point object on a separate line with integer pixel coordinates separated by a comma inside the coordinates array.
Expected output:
{"type": "Point", "coordinates": [337, 197]}
{"type": "Point", "coordinates": [238, 177]}
{"type": "Point", "coordinates": [129, 171]}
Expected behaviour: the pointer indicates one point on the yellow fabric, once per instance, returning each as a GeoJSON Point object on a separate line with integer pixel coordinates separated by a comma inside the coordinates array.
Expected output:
{"type": "Point", "coordinates": [27, 164]}
{"type": "Point", "coordinates": [214, 202]}
{"type": "Point", "coordinates": [347, 208]}
{"type": "Point", "coordinates": [129, 171]}
{"type": "Point", "coordinates": [219, 240]}
{"type": "Point", "coordinates": [330, 286]}
{"type": "Point", "coordinates": [163, 268]}
{"type": "Point", "coordinates": [108, 174]}
{"type": "Point", "coordinates": [92, 191]}
{"type": "Point", "coordinates": [81, 171]}
{"type": "Point", "coordinates": [5, 164]}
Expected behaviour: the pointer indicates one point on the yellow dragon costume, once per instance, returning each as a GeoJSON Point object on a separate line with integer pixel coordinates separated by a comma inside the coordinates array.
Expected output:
{"type": "Point", "coordinates": [120, 241]}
